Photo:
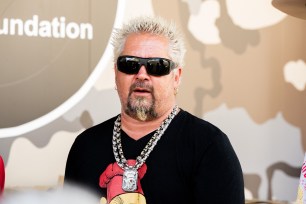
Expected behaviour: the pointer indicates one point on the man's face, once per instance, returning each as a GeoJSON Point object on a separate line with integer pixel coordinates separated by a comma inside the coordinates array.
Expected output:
{"type": "Point", "coordinates": [143, 96]}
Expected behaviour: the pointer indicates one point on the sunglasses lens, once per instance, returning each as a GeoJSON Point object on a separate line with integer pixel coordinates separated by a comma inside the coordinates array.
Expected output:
{"type": "Point", "coordinates": [128, 65]}
{"type": "Point", "coordinates": [158, 67]}
{"type": "Point", "coordinates": [154, 66]}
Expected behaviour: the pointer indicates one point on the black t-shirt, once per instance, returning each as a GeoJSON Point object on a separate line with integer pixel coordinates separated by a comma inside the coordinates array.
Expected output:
{"type": "Point", "coordinates": [193, 162]}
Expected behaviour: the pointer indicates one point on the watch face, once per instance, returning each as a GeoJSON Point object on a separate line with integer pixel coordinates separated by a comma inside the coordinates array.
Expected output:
{"type": "Point", "coordinates": [49, 49]}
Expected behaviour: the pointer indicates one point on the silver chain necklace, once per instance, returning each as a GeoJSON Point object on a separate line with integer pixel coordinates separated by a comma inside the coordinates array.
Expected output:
{"type": "Point", "coordinates": [130, 175]}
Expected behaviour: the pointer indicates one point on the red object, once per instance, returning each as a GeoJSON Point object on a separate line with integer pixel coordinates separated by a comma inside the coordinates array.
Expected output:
{"type": "Point", "coordinates": [111, 179]}
{"type": "Point", "coordinates": [2, 175]}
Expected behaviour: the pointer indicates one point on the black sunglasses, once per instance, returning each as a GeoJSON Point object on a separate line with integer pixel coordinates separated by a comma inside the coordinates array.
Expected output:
{"type": "Point", "coordinates": [155, 66]}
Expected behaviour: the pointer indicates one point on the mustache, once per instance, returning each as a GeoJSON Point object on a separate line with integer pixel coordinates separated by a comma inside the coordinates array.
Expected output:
{"type": "Point", "coordinates": [141, 85]}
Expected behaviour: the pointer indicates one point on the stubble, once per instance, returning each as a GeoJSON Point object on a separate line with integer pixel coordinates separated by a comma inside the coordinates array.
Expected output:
{"type": "Point", "coordinates": [139, 107]}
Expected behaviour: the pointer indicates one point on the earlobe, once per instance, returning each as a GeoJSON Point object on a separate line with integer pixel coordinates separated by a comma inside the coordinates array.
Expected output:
{"type": "Point", "coordinates": [177, 79]}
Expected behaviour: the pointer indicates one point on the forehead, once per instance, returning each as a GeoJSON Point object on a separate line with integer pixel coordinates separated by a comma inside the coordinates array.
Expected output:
{"type": "Point", "coordinates": [146, 45]}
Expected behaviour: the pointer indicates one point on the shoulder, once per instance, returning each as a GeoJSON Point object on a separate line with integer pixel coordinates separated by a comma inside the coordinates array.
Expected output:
{"type": "Point", "coordinates": [200, 135]}
{"type": "Point", "coordinates": [97, 131]}
{"type": "Point", "coordinates": [103, 125]}
{"type": "Point", "coordinates": [208, 142]}
{"type": "Point", "coordinates": [198, 126]}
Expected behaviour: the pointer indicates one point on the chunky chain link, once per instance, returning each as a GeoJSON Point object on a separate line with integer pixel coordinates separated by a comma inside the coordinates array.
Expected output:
{"type": "Point", "coordinates": [140, 160]}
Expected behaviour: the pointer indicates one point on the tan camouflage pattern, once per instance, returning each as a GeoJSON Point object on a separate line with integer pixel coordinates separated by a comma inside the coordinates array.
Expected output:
{"type": "Point", "coordinates": [245, 72]}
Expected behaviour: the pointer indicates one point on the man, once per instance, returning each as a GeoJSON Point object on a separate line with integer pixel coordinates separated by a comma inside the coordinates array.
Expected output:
{"type": "Point", "coordinates": [154, 152]}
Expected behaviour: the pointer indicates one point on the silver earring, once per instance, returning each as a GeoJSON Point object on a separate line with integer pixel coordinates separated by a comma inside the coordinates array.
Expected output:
{"type": "Point", "coordinates": [175, 91]}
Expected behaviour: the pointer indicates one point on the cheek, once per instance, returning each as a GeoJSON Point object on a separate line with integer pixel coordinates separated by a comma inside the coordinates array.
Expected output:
{"type": "Point", "coordinates": [163, 90]}
{"type": "Point", "coordinates": [122, 88]}
{"type": "Point", "coordinates": [122, 82]}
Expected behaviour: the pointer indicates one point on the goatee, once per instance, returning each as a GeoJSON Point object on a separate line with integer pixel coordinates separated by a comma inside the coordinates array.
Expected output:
{"type": "Point", "coordinates": [141, 108]}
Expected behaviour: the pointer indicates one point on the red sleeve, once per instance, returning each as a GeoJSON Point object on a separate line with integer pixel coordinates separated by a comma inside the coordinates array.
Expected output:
{"type": "Point", "coordinates": [2, 175]}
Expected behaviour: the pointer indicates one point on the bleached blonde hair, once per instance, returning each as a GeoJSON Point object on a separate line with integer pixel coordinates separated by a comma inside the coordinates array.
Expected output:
{"type": "Point", "coordinates": [154, 25]}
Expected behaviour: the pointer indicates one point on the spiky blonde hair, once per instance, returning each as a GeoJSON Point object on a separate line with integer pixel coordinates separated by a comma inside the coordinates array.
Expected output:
{"type": "Point", "coordinates": [154, 25]}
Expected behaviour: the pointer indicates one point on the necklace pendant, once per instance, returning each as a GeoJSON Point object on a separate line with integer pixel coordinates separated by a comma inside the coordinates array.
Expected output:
{"type": "Point", "coordinates": [129, 180]}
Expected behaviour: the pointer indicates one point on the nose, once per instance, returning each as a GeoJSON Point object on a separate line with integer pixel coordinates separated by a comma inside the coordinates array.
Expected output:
{"type": "Point", "coordinates": [142, 73]}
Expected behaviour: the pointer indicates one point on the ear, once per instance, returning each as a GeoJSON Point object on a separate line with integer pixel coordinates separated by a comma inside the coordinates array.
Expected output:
{"type": "Point", "coordinates": [116, 72]}
{"type": "Point", "coordinates": [177, 76]}
{"type": "Point", "coordinates": [115, 68]}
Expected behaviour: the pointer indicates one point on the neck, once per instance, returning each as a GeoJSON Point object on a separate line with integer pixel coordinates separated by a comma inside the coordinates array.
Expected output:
{"type": "Point", "coordinates": [137, 129]}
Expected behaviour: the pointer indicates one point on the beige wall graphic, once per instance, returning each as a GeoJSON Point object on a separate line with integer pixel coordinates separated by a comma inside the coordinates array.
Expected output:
{"type": "Point", "coordinates": [49, 49]}
{"type": "Point", "coordinates": [245, 72]}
